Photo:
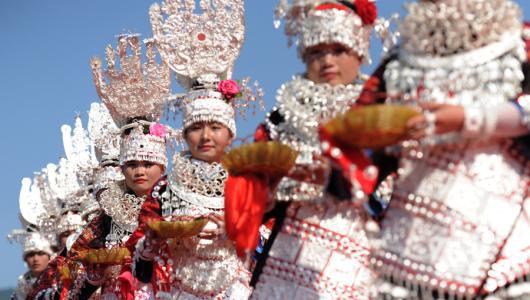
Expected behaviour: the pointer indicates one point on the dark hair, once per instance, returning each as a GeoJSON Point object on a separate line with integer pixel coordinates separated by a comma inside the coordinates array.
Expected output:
{"type": "Point", "coordinates": [145, 127]}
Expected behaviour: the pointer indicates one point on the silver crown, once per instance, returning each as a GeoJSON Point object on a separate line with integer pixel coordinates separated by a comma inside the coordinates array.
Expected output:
{"type": "Point", "coordinates": [202, 49]}
{"type": "Point", "coordinates": [31, 241]}
{"type": "Point", "coordinates": [141, 146]}
{"type": "Point", "coordinates": [30, 202]}
{"type": "Point", "coordinates": [309, 27]}
{"type": "Point", "coordinates": [194, 45]}
{"type": "Point", "coordinates": [80, 151]}
{"type": "Point", "coordinates": [135, 91]}
{"type": "Point", "coordinates": [104, 133]}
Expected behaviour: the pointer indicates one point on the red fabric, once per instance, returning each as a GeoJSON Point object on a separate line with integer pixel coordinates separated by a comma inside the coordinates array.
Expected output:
{"type": "Point", "coordinates": [150, 211]}
{"type": "Point", "coordinates": [245, 201]}
{"type": "Point", "coordinates": [367, 10]}
{"type": "Point", "coordinates": [327, 6]}
{"type": "Point", "coordinates": [87, 239]}
{"type": "Point", "coordinates": [126, 284]}
{"type": "Point", "coordinates": [261, 134]}
{"type": "Point", "coordinates": [51, 277]}
{"type": "Point", "coordinates": [347, 158]}
{"type": "Point", "coordinates": [374, 90]}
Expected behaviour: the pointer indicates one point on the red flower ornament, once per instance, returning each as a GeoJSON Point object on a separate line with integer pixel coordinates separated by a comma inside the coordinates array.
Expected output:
{"type": "Point", "coordinates": [228, 88]}
{"type": "Point", "coordinates": [367, 11]}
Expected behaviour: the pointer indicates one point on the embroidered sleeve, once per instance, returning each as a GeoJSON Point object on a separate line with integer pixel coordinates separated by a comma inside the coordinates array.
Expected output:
{"type": "Point", "coordinates": [92, 236]}
{"type": "Point", "coordinates": [374, 90]}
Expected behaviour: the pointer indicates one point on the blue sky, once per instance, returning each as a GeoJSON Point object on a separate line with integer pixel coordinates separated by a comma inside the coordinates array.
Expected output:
{"type": "Point", "coordinates": [45, 80]}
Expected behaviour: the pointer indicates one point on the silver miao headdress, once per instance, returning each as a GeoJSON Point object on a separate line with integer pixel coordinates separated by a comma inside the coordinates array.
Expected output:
{"type": "Point", "coordinates": [38, 212]}
{"type": "Point", "coordinates": [80, 151]}
{"type": "Point", "coordinates": [31, 242]}
{"type": "Point", "coordinates": [32, 211]}
{"type": "Point", "coordinates": [64, 192]}
{"type": "Point", "coordinates": [313, 22]}
{"type": "Point", "coordinates": [201, 50]}
{"type": "Point", "coordinates": [135, 98]}
{"type": "Point", "coordinates": [105, 135]}
{"type": "Point", "coordinates": [85, 155]}
{"type": "Point", "coordinates": [446, 27]}
{"type": "Point", "coordinates": [471, 49]}
{"type": "Point", "coordinates": [53, 201]}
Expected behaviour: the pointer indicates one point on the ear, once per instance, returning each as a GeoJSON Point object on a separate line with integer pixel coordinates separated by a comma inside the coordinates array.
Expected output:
{"type": "Point", "coordinates": [231, 136]}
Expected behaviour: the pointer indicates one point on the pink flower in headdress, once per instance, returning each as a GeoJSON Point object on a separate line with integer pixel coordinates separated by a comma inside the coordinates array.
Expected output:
{"type": "Point", "coordinates": [228, 88]}
{"type": "Point", "coordinates": [157, 129]}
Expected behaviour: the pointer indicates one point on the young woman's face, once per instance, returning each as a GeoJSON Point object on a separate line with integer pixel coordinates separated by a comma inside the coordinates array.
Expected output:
{"type": "Point", "coordinates": [63, 237]}
{"type": "Point", "coordinates": [37, 261]}
{"type": "Point", "coordinates": [141, 176]}
{"type": "Point", "coordinates": [331, 63]}
{"type": "Point", "coordinates": [208, 141]}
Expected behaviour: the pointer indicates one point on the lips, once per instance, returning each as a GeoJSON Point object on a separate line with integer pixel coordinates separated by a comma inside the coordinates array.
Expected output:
{"type": "Point", "coordinates": [329, 75]}
{"type": "Point", "coordinates": [205, 148]}
{"type": "Point", "coordinates": [140, 181]}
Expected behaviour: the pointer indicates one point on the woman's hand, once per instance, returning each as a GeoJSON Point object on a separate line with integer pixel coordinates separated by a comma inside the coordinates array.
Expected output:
{"type": "Point", "coordinates": [443, 118]}
{"type": "Point", "coordinates": [216, 233]}
{"type": "Point", "coordinates": [316, 173]}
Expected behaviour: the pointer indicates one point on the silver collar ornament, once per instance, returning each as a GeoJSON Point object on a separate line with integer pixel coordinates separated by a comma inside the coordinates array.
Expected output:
{"type": "Point", "coordinates": [303, 105]}
{"type": "Point", "coordinates": [196, 182]}
{"type": "Point", "coordinates": [124, 208]}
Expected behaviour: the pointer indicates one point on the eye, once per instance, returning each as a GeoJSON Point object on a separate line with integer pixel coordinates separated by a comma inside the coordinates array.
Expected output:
{"type": "Point", "coordinates": [313, 53]}
{"type": "Point", "coordinates": [197, 126]}
{"type": "Point", "coordinates": [339, 51]}
{"type": "Point", "coordinates": [148, 164]}
{"type": "Point", "coordinates": [131, 164]}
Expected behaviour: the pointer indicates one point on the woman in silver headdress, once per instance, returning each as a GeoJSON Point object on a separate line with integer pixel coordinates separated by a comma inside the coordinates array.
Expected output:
{"type": "Point", "coordinates": [204, 266]}
{"type": "Point", "coordinates": [135, 101]}
{"type": "Point", "coordinates": [37, 253]}
{"type": "Point", "coordinates": [318, 247]}
{"type": "Point", "coordinates": [457, 224]}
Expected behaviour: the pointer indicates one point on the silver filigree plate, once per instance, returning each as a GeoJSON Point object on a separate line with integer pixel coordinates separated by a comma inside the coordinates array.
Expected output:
{"type": "Point", "coordinates": [196, 44]}
{"type": "Point", "coordinates": [121, 206]}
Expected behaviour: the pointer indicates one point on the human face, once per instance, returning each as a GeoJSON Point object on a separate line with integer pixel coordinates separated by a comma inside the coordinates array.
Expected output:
{"type": "Point", "coordinates": [208, 141]}
{"type": "Point", "coordinates": [63, 237]}
{"type": "Point", "coordinates": [141, 176]}
{"type": "Point", "coordinates": [37, 261]}
{"type": "Point", "coordinates": [331, 63]}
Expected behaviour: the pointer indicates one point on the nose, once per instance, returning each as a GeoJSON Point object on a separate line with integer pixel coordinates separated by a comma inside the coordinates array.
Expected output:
{"type": "Point", "coordinates": [205, 134]}
{"type": "Point", "coordinates": [326, 58]}
{"type": "Point", "coordinates": [140, 170]}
